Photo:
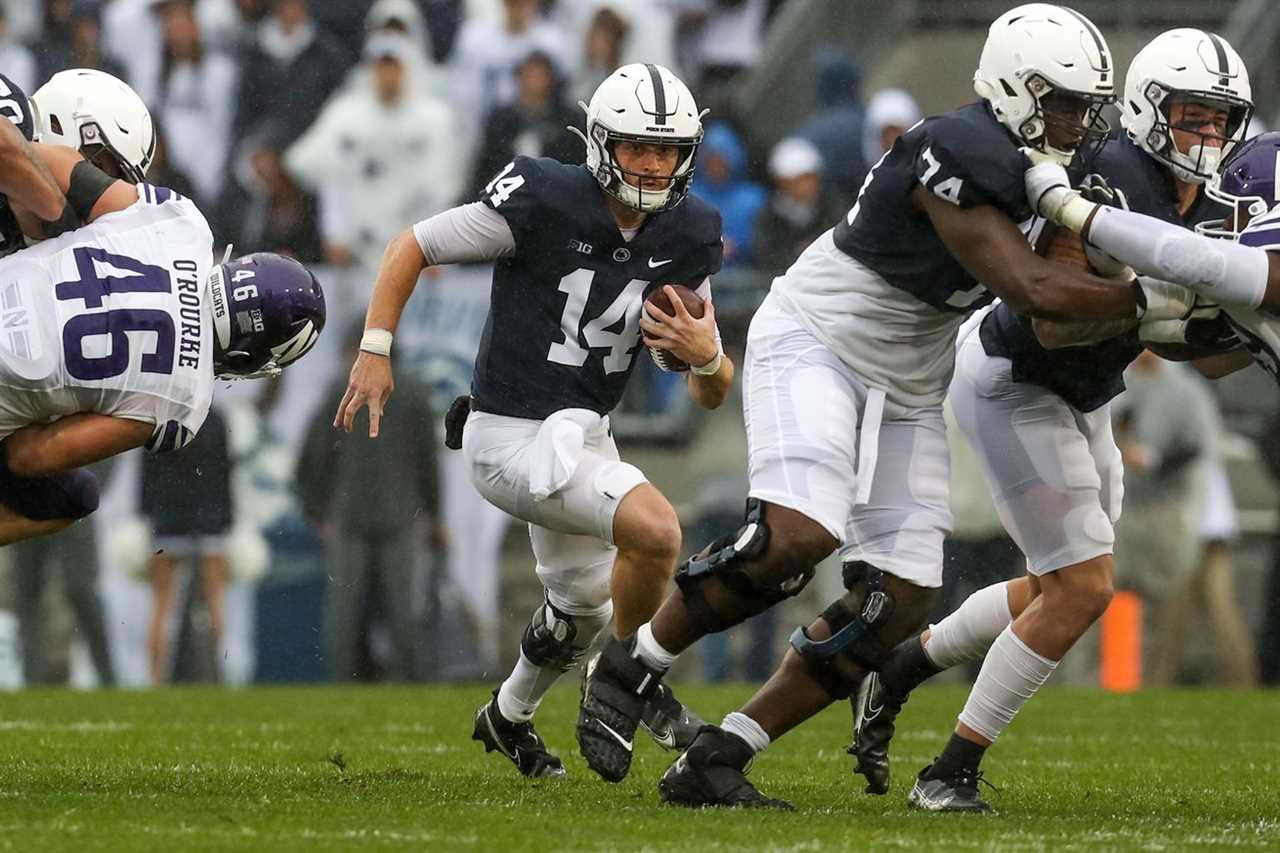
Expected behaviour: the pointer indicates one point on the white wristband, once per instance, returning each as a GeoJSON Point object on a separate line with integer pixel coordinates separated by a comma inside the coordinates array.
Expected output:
{"type": "Point", "coordinates": [376, 341]}
{"type": "Point", "coordinates": [711, 368]}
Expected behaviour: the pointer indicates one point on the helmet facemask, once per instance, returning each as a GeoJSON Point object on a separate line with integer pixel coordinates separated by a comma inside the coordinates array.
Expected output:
{"type": "Point", "coordinates": [1063, 121]}
{"type": "Point", "coordinates": [98, 151]}
{"type": "Point", "coordinates": [1199, 164]}
{"type": "Point", "coordinates": [612, 176]}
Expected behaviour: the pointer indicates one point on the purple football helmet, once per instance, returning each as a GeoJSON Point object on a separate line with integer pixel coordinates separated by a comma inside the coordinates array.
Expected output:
{"type": "Point", "coordinates": [268, 310]}
{"type": "Point", "coordinates": [1247, 184]}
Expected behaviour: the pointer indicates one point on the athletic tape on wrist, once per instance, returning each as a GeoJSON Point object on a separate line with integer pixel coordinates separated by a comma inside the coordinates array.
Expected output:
{"type": "Point", "coordinates": [711, 368]}
{"type": "Point", "coordinates": [376, 341]}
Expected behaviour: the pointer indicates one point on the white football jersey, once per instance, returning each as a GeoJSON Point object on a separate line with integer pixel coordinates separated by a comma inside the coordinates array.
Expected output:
{"type": "Point", "coordinates": [112, 318]}
{"type": "Point", "coordinates": [889, 338]}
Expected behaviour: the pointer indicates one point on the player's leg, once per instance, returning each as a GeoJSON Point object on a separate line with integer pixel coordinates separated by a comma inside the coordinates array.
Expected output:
{"type": "Point", "coordinates": [575, 573]}
{"type": "Point", "coordinates": [891, 582]}
{"type": "Point", "coordinates": [963, 635]}
{"type": "Point", "coordinates": [802, 416]}
{"type": "Point", "coordinates": [36, 506]}
{"type": "Point", "coordinates": [1057, 480]}
{"type": "Point", "coordinates": [646, 532]}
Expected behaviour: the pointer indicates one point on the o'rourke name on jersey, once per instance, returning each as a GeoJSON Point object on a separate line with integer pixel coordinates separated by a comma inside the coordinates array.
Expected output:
{"type": "Point", "coordinates": [188, 312]}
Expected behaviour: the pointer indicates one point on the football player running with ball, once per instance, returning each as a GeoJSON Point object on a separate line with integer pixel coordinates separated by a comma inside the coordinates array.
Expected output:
{"type": "Point", "coordinates": [577, 252]}
{"type": "Point", "coordinates": [114, 331]}
{"type": "Point", "coordinates": [848, 362]}
{"type": "Point", "coordinates": [1033, 399]}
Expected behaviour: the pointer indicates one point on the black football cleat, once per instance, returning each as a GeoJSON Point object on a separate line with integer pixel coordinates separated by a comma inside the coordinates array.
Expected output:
{"type": "Point", "coordinates": [953, 792]}
{"type": "Point", "coordinates": [668, 721]}
{"type": "Point", "coordinates": [519, 742]}
{"type": "Point", "coordinates": [615, 692]}
{"type": "Point", "coordinates": [875, 710]}
{"type": "Point", "coordinates": [713, 772]}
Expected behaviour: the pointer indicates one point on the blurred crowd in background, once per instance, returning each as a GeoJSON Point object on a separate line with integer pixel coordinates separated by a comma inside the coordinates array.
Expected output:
{"type": "Point", "coordinates": [276, 549]}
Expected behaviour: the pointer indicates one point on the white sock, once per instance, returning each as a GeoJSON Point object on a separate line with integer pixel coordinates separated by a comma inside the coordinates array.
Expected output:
{"type": "Point", "coordinates": [748, 729]}
{"type": "Point", "coordinates": [522, 692]}
{"type": "Point", "coordinates": [969, 631]}
{"type": "Point", "coordinates": [651, 652]}
{"type": "Point", "coordinates": [1010, 675]}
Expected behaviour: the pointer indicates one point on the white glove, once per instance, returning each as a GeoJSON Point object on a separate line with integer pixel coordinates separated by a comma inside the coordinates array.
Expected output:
{"type": "Point", "coordinates": [1050, 194]}
{"type": "Point", "coordinates": [1162, 300]}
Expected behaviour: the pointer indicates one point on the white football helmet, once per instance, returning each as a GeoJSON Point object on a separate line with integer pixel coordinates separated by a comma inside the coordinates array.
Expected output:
{"type": "Point", "coordinates": [1193, 65]}
{"type": "Point", "coordinates": [643, 103]}
{"type": "Point", "coordinates": [1038, 49]}
{"type": "Point", "coordinates": [96, 114]}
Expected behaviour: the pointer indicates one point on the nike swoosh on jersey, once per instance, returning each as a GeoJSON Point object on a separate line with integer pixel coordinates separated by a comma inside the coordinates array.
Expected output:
{"type": "Point", "coordinates": [653, 265]}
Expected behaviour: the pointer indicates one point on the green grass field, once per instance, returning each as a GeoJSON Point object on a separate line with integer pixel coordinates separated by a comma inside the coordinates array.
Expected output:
{"type": "Point", "coordinates": [394, 769]}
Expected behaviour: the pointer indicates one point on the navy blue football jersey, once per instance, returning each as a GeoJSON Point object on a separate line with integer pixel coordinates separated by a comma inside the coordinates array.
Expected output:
{"type": "Point", "coordinates": [1091, 375]}
{"type": "Point", "coordinates": [15, 108]}
{"type": "Point", "coordinates": [564, 316]}
{"type": "Point", "coordinates": [966, 157]}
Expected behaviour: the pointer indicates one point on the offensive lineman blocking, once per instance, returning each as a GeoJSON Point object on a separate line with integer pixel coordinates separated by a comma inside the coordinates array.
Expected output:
{"type": "Point", "coordinates": [847, 365]}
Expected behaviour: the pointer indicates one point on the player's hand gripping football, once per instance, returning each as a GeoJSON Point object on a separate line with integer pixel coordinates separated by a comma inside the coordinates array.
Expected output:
{"type": "Point", "coordinates": [370, 384]}
{"type": "Point", "coordinates": [690, 339]}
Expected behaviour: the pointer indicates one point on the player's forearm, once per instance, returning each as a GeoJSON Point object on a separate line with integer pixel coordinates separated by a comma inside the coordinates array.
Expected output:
{"type": "Point", "coordinates": [402, 263]}
{"type": "Point", "coordinates": [710, 391]}
{"type": "Point", "coordinates": [72, 442]}
{"type": "Point", "coordinates": [1227, 273]}
{"type": "Point", "coordinates": [25, 179]}
{"type": "Point", "coordinates": [1053, 334]}
{"type": "Point", "coordinates": [1218, 366]}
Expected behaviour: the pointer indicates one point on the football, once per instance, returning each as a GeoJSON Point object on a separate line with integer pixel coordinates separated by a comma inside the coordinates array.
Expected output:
{"type": "Point", "coordinates": [1062, 245]}
{"type": "Point", "coordinates": [659, 300]}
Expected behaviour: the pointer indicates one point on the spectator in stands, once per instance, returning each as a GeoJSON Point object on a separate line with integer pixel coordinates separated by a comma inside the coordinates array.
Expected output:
{"type": "Point", "coordinates": [890, 113]}
{"type": "Point", "coordinates": [287, 74]}
{"type": "Point", "coordinates": [1211, 590]}
{"type": "Point", "coordinates": [1166, 422]}
{"type": "Point", "coordinates": [723, 38]}
{"type": "Point", "coordinates": [799, 209]}
{"type": "Point", "coordinates": [602, 51]}
{"type": "Point", "coordinates": [262, 209]}
{"type": "Point", "coordinates": [373, 503]}
{"type": "Point", "coordinates": [487, 53]}
{"type": "Point", "coordinates": [534, 124]}
{"type": "Point", "coordinates": [836, 125]}
{"type": "Point", "coordinates": [73, 39]}
{"type": "Point", "coordinates": [163, 173]}
{"type": "Point", "coordinates": [73, 553]}
{"type": "Point", "coordinates": [721, 181]}
{"type": "Point", "coordinates": [195, 99]}
{"type": "Point", "coordinates": [187, 497]}
{"type": "Point", "coordinates": [380, 154]}
{"type": "Point", "coordinates": [18, 62]}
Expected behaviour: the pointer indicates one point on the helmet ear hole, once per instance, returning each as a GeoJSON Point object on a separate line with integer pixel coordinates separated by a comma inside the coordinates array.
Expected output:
{"type": "Point", "coordinates": [55, 124]}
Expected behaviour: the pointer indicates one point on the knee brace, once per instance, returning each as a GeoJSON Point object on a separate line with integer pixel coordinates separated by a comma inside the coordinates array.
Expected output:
{"type": "Point", "coordinates": [721, 588]}
{"type": "Point", "coordinates": [65, 495]}
{"type": "Point", "coordinates": [556, 639]}
{"type": "Point", "coordinates": [877, 613]}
